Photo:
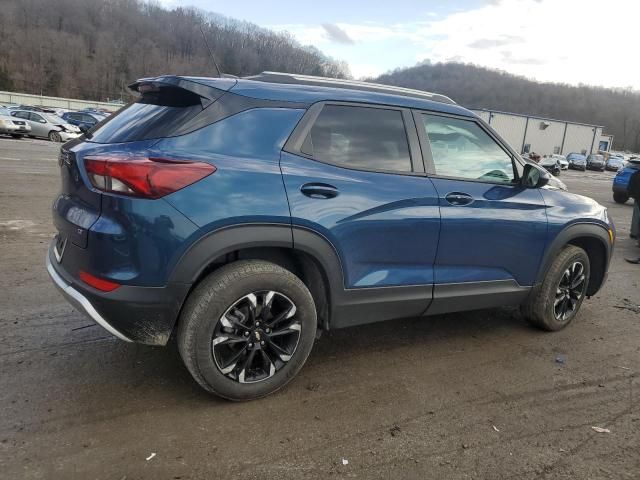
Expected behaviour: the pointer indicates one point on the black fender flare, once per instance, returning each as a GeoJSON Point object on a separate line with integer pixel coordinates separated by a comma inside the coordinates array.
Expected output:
{"type": "Point", "coordinates": [236, 237]}
{"type": "Point", "coordinates": [572, 232]}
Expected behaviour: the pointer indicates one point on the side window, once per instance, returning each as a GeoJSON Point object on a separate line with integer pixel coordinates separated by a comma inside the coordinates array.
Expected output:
{"type": "Point", "coordinates": [462, 149]}
{"type": "Point", "coordinates": [37, 118]}
{"type": "Point", "coordinates": [24, 115]}
{"type": "Point", "coordinates": [360, 137]}
{"type": "Point", "coordinates": [88, 118]}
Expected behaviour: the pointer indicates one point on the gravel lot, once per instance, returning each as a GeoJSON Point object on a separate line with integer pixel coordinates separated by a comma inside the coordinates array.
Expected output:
{"type": "Point", "coordinates": [474, 395]}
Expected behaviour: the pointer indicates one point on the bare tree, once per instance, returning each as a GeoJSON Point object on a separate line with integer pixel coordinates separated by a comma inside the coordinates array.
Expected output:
{"type": "Point", "coordinates": [92, 48]}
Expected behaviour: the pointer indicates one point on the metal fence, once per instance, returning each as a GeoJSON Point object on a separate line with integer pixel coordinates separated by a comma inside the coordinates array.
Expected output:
{"type": "Point", "coordinates": [54, 102]}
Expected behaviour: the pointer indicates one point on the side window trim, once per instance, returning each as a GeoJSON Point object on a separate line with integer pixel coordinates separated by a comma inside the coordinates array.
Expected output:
{"type": "Point", "coordinates": [428, 155]}
{"type": "Point", "coordinates": [297, 142]}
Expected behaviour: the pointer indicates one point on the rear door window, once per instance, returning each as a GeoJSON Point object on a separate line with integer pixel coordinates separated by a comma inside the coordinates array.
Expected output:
{"type": "Point", "coordinates": [360, 137]}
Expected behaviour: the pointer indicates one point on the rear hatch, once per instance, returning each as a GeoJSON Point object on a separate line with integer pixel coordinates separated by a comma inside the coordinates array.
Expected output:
{"type": "Point", "coordinates": [167, 106]}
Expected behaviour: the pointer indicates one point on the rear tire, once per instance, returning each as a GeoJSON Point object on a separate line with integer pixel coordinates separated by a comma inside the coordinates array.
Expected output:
{"type": "Point", "coordinates": [620, 197]}
{"type": "Point", "coordinates": [557, 301]}
{"type": "Point", "coordinates": [232, 313]}
{"type": "Point", "coordinates": [17, 136]}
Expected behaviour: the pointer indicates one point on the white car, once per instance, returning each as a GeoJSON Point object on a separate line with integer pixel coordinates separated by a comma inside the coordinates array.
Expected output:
{"type": "Point", "coordinates": [562, 160]}
{"type": "Point", "coordinates": [12, 126]}
{"type": "Point", "coordinates": [47, 125]}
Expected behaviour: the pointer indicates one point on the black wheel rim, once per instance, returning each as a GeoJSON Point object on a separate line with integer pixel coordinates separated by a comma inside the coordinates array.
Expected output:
{"type": "Point", "coordinates": [256, 336]}
{"type": "Point", "coordinates": [569, 292]}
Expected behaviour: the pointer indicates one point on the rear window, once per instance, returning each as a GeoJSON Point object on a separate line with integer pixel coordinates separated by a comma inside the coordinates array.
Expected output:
{"type": "Point", "coordinates": [156, 114]}
{"type": "Point", "coordinates": [361, 137]}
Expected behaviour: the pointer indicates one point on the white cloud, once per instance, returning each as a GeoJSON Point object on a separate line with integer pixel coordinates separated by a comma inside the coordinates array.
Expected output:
{"type": "Point", "coordinates": [568, 41]}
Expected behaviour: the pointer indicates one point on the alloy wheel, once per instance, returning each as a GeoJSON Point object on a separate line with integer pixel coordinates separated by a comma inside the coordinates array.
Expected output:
{"type": "Point", "coordinates": [570, 290]}
{"type": "Point", "coordinates": [256, 336]}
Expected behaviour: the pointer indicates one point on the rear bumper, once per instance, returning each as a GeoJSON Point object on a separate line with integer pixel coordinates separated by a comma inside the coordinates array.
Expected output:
{"type": "Point", "coordinates": [13, 129]}
{"type": "Point", "coordinates": [80, 302]}
{"type": "Point", "coordinates": [133, 314]}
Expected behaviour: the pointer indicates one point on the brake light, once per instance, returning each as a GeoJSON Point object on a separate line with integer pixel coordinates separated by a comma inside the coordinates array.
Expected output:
{"type": "Point", "coordinates": [144, 177]}
{"type": "Point", "coordinates": [98, 283]}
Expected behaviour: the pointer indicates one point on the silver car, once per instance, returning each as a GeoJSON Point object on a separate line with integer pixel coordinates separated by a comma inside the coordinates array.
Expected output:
{"type": "Point", "coordinates": [47, 125]}
{"type": "Point", "coordinates": [13, 126]}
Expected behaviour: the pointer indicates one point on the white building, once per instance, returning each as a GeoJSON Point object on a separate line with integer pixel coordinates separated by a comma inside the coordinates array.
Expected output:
{"type": "Point", "coordinates": [544, 136]}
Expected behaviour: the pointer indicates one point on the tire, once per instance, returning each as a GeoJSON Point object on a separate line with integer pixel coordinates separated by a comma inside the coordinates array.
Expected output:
{"type": "Point", "coordinates": [541, 309]}
{"type": "Point", "coordinates": [217, 316]}
{"type": "Point", "coordinates": [16, 135]}
{"type": "Point", "coordinates": [55, 136]}
{"type": "Point", "coordinates": [620, 197]}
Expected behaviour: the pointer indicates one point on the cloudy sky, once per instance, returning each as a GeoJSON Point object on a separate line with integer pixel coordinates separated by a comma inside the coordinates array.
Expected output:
{"type": "Point", "coordinates": [570, 41]}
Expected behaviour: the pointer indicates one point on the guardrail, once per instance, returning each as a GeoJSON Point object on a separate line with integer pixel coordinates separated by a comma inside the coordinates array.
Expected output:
{"type": "Point", "coordinates": [54, 102]}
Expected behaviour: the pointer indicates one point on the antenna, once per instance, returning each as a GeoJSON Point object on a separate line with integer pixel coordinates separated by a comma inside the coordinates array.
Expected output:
{"type": "Point", "coordinates": [213, 59]}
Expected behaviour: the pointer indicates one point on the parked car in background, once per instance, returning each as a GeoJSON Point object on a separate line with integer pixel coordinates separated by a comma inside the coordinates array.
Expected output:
{"type": "Point", "coordinates": [47, 125]}
{"type": "Point", "coordinates": [577, 161]}
{"type": "Point", "coordinates": [562, 161]}
{"type": "Point", "coordinates": [550, 164]}
{"type": "Point", "coordinates": [13, 126]}
{"type": "Point", "coordinates": [614, 164]}
{"type": "Point", "coordinates": [622, 178]}
{"type": "Point", "coordinates": [243, 215]}
{"type": "Point", "coordinates": [31, 108]}
{"type": "Point", "coordinates": [595, 162]}
{"type": "Point", "coordinates": [83, 120]}
{"type": "Point", "coordinates": [97, 111]}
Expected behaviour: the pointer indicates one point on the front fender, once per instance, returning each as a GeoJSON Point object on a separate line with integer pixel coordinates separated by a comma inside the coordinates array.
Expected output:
{"type": "Point", "coordinates": [595, 230]}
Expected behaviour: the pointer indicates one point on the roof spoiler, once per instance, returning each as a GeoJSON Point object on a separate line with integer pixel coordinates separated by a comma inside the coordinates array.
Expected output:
{"type": "Point", "coordinates": [207, 93]}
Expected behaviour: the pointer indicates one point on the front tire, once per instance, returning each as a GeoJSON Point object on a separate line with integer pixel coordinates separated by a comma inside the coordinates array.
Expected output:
{"type": "Point", "coordinates": [620, 197]}
{"type": "Point", "coordinates": [247, 329]}
{"type": "Point", "coordinates": [16, 136]}
{"type": "Point", "coordinates": [557, 301]}
{"type": "Point", "coordinates": [55, 137]}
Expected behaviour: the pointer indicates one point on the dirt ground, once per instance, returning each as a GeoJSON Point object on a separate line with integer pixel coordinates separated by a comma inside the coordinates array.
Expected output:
{"type": "Point", "coordinates": [474, 395]}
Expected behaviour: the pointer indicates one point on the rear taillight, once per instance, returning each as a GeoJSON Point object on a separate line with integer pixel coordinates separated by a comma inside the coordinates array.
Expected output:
{"type": "Point", "coordinates": [98, 283]}
{"type": "Point", "coordinates": [143, 176]}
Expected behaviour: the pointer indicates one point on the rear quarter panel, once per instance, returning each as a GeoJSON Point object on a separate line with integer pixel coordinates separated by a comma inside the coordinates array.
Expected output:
{"type": "Point", "coordinates": [247, 186]}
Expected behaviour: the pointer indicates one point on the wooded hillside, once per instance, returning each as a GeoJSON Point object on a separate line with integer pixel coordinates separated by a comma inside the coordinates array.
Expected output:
{"type": "Point", "coordinates": [91, 49]}
{"type": "Point", "coordinates": [475, 87]}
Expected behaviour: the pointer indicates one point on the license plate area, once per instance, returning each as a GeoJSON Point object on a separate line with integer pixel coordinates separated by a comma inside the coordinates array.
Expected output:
{"type": "Point", "coordinates": [58, 249]}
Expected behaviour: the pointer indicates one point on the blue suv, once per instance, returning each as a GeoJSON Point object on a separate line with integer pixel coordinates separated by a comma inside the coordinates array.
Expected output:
{"type": "Point", "coordinates": [245, 215]}
{"type": "Point", "coordinates": [622, 179]}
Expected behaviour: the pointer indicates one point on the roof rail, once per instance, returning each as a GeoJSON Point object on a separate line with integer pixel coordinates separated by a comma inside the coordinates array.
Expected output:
{"type": "Point", "coordinates": [293, 78]}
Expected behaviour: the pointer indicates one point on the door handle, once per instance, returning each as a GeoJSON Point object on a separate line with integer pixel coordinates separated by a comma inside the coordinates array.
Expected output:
{"type": "Point", "coordinates": [319, 190]}
{"type": "Point", "coordinates": [459, 199]}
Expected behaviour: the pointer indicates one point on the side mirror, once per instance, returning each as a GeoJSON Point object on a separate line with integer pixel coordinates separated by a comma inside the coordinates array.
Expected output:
{"type": "Point", "coordinates": [534, 177]}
